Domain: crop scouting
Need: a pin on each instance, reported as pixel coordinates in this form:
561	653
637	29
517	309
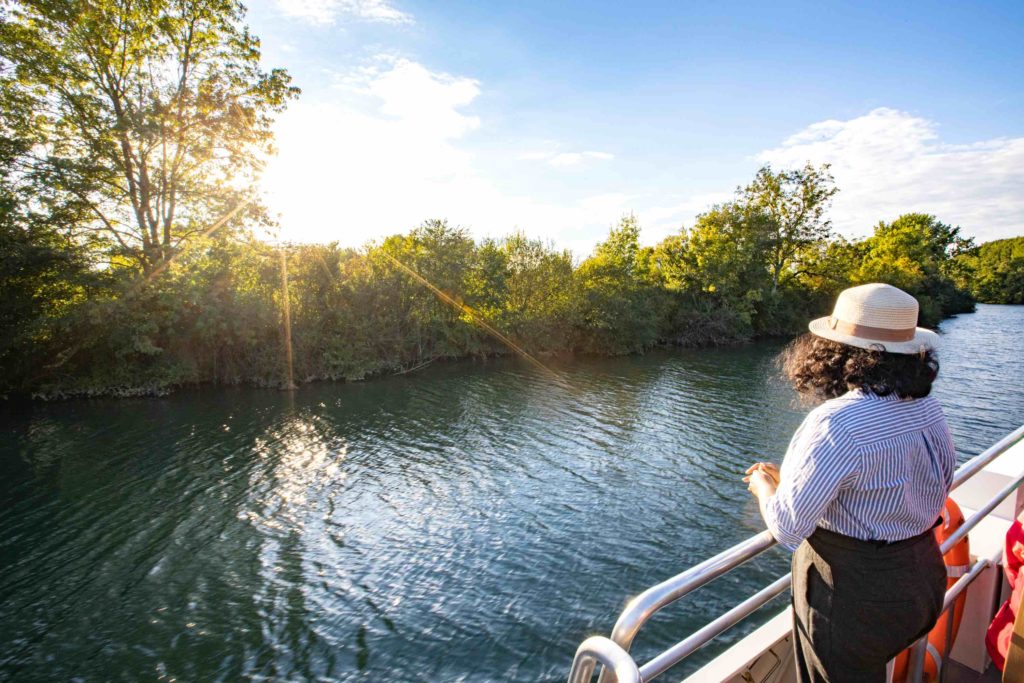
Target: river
470	522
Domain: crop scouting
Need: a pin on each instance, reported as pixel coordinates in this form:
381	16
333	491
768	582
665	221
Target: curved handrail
698	639
644	606
980	514
612	657
641	608
975	464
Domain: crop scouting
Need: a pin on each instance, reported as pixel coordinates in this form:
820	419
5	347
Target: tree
616	314
723	253
43	273
150	118
718	268
916	252
795	203
994	271
41	277
425	326
540	299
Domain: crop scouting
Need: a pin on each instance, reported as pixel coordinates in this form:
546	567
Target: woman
861	487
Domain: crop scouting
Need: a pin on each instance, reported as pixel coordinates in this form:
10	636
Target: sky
557	119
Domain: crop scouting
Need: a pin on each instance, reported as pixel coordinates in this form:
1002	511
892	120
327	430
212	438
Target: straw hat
873	316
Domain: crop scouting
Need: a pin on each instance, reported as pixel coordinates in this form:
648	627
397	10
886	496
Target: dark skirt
857	604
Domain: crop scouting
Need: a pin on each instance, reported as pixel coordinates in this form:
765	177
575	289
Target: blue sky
558	118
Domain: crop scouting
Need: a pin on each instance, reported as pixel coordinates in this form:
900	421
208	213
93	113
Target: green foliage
993	272
716	272
540	305
211	317
794	207
146	118
916	253
42	278
616	311
215	314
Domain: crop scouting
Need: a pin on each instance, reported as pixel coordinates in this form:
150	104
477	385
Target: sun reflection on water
301	478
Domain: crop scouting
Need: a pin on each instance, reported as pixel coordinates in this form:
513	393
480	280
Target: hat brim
923	339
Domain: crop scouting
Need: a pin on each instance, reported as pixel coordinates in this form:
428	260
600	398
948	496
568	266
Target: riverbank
549	359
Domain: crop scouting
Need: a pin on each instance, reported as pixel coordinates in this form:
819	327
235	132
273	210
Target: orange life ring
958	561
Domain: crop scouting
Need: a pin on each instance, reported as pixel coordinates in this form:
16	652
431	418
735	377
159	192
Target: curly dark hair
822	368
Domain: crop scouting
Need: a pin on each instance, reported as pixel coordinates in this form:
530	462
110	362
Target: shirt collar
867	394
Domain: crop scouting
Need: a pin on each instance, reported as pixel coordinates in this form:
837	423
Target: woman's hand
762	480
769	468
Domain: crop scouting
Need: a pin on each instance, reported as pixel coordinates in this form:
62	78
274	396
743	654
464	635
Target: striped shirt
871	467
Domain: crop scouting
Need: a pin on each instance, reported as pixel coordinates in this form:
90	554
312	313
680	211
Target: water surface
471	522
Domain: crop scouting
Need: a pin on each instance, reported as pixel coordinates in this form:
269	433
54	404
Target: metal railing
919	650
598	649
641	608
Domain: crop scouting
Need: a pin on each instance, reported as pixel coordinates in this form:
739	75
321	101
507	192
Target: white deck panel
744	655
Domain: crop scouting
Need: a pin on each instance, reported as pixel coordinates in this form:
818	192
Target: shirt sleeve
821	460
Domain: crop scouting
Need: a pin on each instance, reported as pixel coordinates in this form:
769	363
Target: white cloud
576	158
424	102
890	162
566	159
327	11
377	10
390	149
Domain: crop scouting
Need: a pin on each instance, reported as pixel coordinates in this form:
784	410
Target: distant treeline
214	314
996	271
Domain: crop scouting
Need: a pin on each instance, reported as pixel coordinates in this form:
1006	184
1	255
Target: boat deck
959	673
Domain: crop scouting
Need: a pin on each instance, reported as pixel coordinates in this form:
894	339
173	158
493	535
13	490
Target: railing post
917	654
617	663
950	618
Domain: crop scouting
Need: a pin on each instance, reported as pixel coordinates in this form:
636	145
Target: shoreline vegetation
215	315
130	137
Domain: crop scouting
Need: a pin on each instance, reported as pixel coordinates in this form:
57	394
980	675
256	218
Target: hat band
882	334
